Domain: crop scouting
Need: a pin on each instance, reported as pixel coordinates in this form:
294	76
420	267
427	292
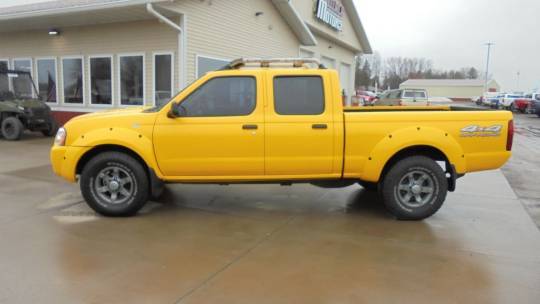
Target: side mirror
176	111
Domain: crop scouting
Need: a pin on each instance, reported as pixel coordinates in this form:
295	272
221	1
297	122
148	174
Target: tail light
510	136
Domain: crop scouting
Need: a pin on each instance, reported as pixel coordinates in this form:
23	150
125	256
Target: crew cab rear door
299	124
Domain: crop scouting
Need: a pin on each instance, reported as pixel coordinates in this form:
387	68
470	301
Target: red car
366	96
522	104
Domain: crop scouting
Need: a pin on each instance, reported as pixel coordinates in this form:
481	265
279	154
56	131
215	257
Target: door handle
250	127
319	126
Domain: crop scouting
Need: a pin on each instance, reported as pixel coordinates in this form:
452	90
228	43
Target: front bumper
64	160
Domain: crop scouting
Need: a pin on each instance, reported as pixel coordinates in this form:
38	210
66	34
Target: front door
220	133
299	125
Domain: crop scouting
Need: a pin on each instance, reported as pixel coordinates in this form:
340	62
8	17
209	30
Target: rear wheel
114	184
12	128
414	188
512	107
51	129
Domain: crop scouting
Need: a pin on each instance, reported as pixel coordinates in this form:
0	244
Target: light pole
518	74
489	44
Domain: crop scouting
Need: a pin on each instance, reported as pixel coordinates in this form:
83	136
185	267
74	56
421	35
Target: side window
298	95
409	94
222	96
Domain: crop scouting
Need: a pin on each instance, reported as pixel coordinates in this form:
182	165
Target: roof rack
265	63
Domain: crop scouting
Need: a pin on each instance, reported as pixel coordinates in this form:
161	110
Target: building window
21	86
72	75
222	96
163	78
131	80
100	80
208	64
4	79
298	95
46	70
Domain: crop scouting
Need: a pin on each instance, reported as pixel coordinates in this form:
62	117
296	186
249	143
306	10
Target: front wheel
12	128
114	184
414	188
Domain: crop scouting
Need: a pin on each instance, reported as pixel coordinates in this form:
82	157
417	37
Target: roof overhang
359	30
295	21
98	12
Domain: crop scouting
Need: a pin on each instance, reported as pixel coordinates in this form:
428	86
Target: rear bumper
64	161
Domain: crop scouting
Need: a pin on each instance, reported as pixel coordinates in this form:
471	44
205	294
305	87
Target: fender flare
403	139
129	139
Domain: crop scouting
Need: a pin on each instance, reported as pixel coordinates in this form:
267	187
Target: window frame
8	67
31	72
154	54
197	56
56	75
118	78
217	77
63	99
323	112
89	84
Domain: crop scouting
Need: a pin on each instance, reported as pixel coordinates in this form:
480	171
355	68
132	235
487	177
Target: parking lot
269	244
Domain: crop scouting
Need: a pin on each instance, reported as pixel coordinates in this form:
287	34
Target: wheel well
107	148
427	151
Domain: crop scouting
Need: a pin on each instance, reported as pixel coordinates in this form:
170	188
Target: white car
507	100
488	97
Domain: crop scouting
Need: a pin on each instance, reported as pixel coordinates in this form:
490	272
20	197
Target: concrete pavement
259	244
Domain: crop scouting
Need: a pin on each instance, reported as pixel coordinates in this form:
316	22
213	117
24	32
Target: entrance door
220	132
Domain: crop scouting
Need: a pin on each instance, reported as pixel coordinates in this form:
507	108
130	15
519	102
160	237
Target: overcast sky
452	33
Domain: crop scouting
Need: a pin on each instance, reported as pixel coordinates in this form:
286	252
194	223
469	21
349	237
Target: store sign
330	12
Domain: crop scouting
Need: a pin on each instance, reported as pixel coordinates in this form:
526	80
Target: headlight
60	138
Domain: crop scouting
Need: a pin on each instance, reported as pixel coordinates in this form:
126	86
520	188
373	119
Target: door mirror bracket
176	111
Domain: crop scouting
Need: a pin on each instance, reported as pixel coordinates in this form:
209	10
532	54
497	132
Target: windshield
15	85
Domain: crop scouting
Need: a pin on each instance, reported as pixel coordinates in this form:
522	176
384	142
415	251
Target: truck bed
471	139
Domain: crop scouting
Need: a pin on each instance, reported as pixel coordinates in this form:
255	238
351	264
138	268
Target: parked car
403	97
20	106
122	158
488	97
523	105
506	101
366	97
534	105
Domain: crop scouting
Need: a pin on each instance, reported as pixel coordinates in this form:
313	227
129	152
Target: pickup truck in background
274	124
403	97
507	101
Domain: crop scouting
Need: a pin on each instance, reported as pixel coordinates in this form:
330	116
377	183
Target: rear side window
298	95
414	94
222	96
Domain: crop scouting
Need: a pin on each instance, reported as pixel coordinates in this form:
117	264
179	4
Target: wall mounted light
257	14
54	32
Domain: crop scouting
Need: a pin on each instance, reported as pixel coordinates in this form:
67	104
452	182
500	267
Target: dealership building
91	55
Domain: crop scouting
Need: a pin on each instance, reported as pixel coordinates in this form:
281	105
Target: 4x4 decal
478	131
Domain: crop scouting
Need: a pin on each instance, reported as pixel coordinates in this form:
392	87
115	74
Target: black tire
94	179
403	175
12	128
51	130
512	107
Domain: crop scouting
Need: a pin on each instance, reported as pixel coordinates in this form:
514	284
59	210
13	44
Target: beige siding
306	8
140	37
229	29
340	55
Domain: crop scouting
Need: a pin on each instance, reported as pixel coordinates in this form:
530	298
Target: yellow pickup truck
260	121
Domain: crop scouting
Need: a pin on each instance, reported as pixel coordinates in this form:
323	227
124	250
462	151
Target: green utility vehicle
21	107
